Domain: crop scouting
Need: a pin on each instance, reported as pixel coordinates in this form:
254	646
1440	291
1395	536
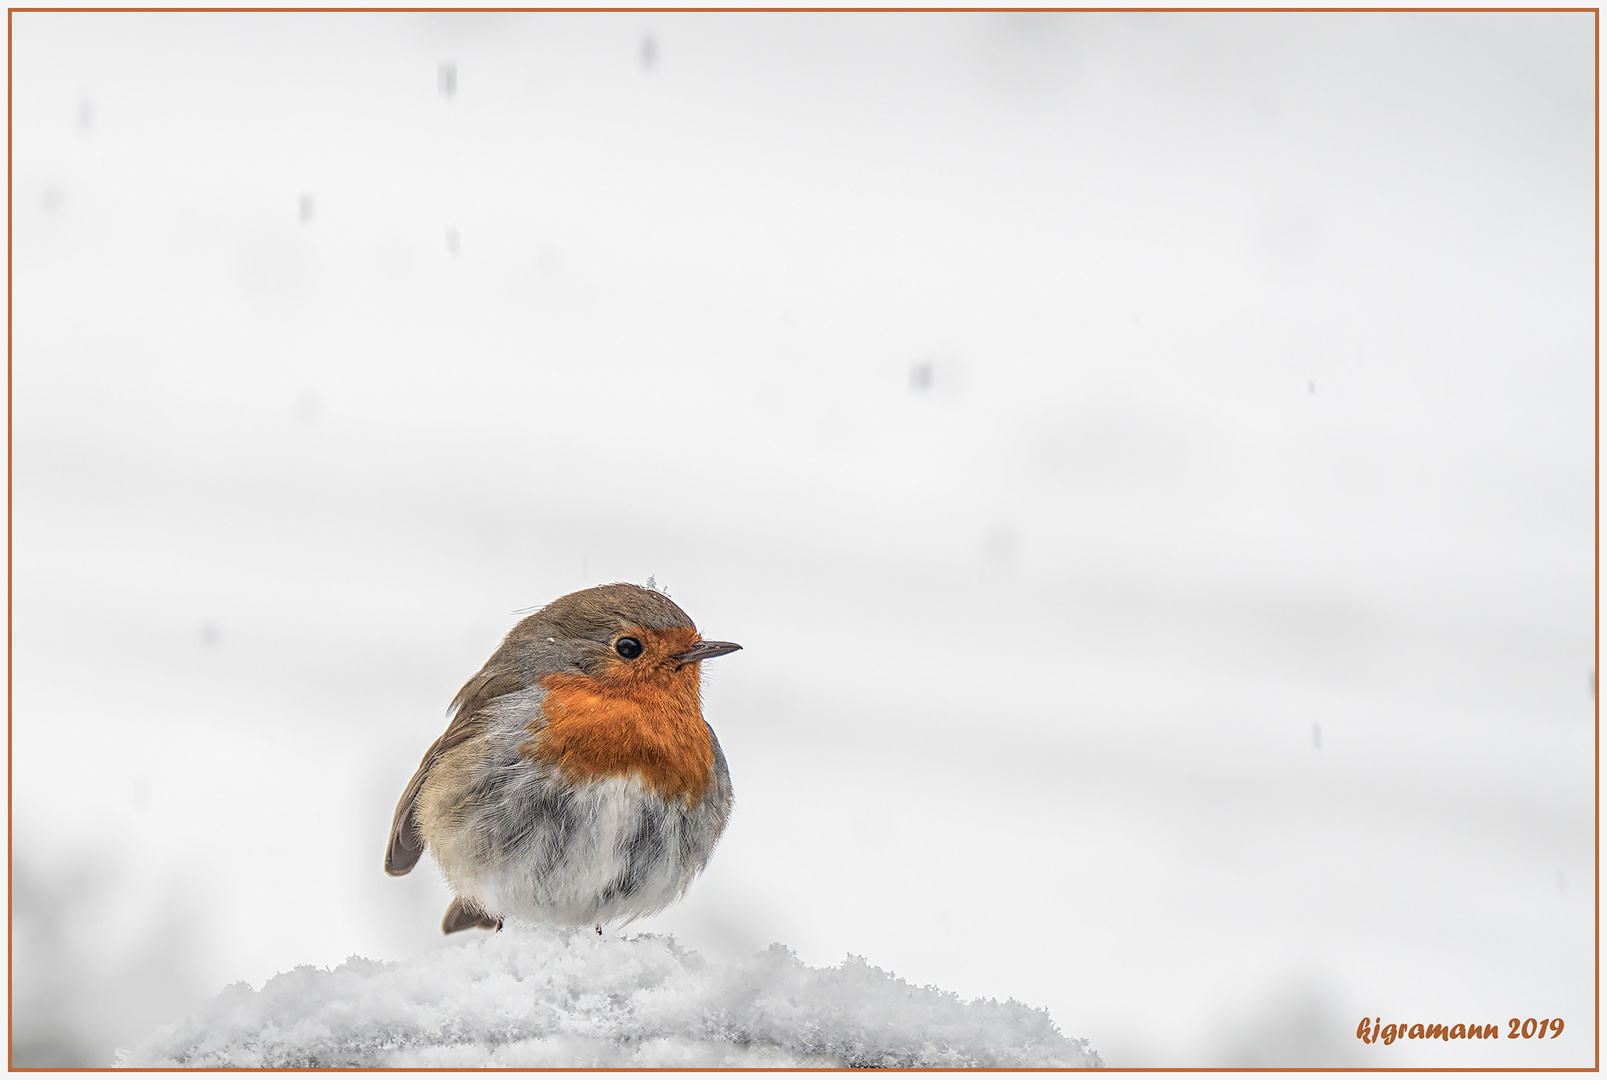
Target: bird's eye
628	647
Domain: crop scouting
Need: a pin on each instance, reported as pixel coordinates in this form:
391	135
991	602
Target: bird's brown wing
468	720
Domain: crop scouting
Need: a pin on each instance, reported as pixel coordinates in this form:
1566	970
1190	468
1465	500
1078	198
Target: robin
577	782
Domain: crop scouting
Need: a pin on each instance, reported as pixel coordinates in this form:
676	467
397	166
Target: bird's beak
707	650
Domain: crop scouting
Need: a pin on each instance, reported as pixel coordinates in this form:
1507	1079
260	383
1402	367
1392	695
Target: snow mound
549	997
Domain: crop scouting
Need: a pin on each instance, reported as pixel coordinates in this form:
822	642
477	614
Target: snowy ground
551	997
1146	458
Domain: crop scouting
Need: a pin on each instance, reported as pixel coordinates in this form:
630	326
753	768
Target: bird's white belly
594	852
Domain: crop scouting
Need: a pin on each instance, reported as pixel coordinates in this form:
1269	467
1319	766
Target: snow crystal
549	997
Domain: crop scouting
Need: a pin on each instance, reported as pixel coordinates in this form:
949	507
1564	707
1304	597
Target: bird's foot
463	915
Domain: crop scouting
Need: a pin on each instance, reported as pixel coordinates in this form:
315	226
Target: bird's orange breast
652	727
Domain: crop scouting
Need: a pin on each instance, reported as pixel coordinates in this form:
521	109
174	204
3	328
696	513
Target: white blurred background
1147	458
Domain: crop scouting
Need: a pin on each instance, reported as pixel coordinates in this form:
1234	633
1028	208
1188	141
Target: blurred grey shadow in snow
81	983
1296	1023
